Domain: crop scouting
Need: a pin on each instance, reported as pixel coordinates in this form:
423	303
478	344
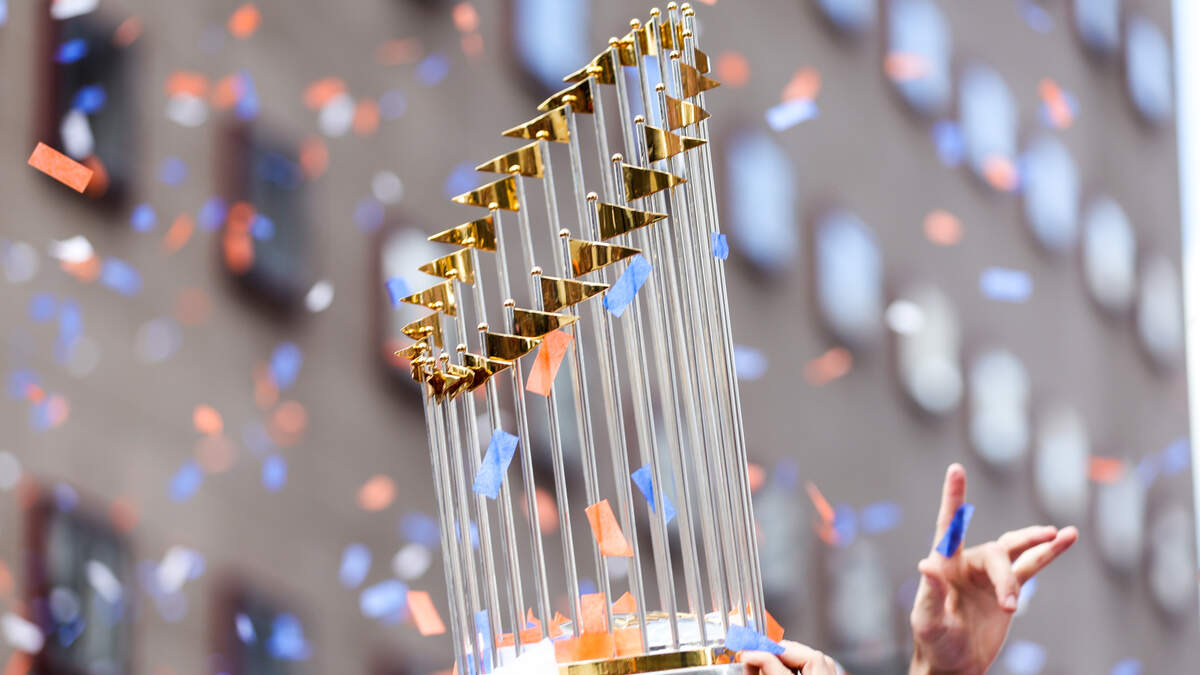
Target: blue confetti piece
262	228
421	528
3	12
790	113
630	282
173	171
947	138
89	99
739	638
720	245
483	633
392	104
212	214
19	382
386	598
143	218
185	482
643	478
247	104
749	363
1177	457
274	473
461	179
433	69
1025	658
70	321
1037	17
587	586
287	641
397	289
880	517
65	497
356	563
71	51
42	307
286	361
121	277
245	629
1005	285
787	474
953	538
492	470
845	525
1126	667
369	215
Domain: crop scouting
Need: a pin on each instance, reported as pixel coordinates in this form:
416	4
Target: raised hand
965	603
796	658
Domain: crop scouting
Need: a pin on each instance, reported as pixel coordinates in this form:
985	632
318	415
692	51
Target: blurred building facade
968	251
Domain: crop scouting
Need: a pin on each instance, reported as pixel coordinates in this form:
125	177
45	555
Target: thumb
930	603
767	664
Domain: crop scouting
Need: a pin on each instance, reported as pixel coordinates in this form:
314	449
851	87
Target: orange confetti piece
60	167
227	92
756	476
1106	469
6	580
314	157
943	228
591	613
549	358
472	44
804	85
98	187
606	530
215	454
626	604
628	642
238	248
556	624
207	420
377	493
123	514
565	650
18	664
86	271
531	635
320	92
1000	173
824	509
1056	103
366	117
288	423
128	32
902	67
398	52
187	83
466	19
179	233
596	646
828	367
244	21
733	69
774	630
424	614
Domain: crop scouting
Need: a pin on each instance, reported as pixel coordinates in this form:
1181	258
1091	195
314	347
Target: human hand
795	658
965	603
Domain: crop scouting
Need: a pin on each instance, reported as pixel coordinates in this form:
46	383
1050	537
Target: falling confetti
60	167
1005	285
377	494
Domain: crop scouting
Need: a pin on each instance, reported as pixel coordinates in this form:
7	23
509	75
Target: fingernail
1011	601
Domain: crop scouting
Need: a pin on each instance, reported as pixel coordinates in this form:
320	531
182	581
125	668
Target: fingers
930	603
954	493
1017	542
767	664
1033	560
999	569
806	659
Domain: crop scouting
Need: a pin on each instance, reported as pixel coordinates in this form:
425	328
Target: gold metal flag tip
509	347
412	351
439	297
617	220
527	159
429	327
534	324
502	193
562	293
457	265
693	82
663	144
483	367
682	113
641	182
554	123
588	256
578	96
480	234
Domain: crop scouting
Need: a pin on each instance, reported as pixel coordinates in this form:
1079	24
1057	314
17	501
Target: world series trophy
645	257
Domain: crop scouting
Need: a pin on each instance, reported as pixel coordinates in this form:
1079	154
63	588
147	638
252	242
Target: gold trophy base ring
688	662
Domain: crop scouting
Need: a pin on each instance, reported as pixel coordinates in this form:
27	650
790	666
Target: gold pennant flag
554	123
645	45
502	193
439	297
561	293
662	144
483	368
617	220
578	96
465	379
701	60
641	182
442	384
508	347
457	265
588	256
601	67
527	159
480	234
681	113
412	351
421	329
670	35
694	82
534	324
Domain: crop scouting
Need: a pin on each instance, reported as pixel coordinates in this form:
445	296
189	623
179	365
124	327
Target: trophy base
690	662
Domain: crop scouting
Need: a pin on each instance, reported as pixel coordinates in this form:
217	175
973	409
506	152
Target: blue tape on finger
644	479
495	463
720	246
622	293
740	639
953	538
